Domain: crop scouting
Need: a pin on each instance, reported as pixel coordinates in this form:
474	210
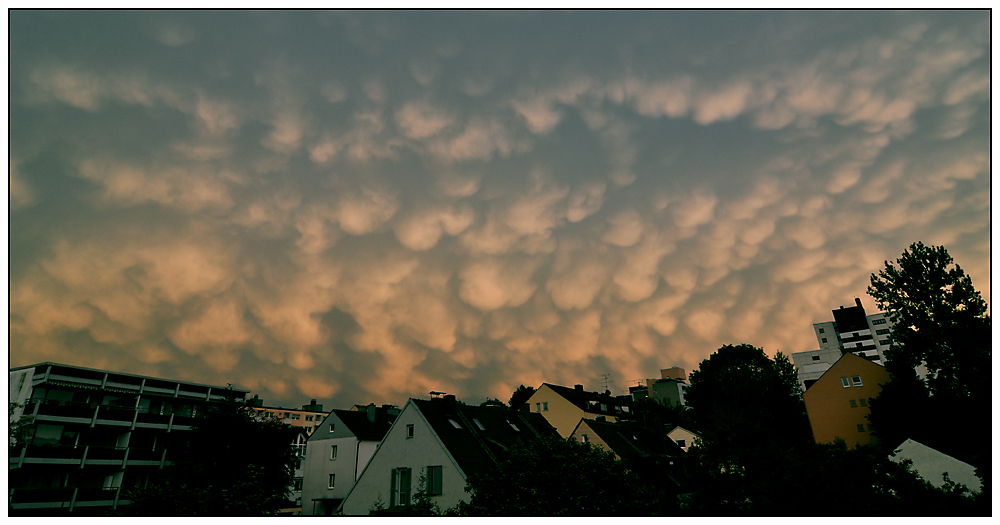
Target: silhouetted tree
940	321
520	396
492	402
232	464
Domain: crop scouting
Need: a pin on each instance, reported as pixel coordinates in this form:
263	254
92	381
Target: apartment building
852	330
308	417
94	434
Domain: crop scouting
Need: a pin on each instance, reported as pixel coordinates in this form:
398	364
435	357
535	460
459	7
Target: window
869	427
878	321
884	331
824	339
859	345
409	431
545	406
333	481
333	451
309	418
604	408
618	409
399	490
847	382
455	424
538	407
884	342
295	416
286	415
479	425
821	331
331	428
861	428
625	409
680	443
863	402
856	380
815	358
434	487
854	404
583	438
855	335
297	484
512	425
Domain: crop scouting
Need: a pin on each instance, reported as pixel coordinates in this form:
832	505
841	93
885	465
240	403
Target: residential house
683	437
564	407
932	465
442	443
94	434
626	439
837	403
337	453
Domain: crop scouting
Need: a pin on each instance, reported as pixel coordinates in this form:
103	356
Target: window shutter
392	488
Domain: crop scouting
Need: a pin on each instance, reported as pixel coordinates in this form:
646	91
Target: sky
367	206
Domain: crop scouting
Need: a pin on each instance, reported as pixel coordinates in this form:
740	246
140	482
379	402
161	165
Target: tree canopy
740	397
520	396
232	464
940	321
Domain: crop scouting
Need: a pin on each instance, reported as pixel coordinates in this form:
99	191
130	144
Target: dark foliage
941	321
554	477
520	396
232	464
748	406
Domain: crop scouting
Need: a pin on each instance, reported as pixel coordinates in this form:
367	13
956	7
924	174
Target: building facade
94	434
852	330
337	453
563	407
838	402
308	417
442	443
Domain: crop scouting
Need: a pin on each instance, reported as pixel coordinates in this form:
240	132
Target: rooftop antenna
607	380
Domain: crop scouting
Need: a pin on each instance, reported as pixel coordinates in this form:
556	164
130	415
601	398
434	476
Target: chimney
370	412
449	399
578	388
857	300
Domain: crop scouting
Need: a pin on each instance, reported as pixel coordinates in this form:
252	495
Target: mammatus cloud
467	212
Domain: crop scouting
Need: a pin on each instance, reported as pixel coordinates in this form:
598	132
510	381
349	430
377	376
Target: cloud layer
363	207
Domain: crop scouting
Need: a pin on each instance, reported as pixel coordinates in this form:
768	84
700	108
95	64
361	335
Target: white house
931	465
683	437
338	451
444	442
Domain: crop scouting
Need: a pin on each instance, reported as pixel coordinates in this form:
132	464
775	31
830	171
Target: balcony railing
41	495
53	452
95	495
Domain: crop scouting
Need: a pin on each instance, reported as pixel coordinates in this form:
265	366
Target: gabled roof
477	437
840	363
358	424
671	428
582	398
629	440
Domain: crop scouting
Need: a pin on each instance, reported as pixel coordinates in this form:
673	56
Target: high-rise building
94	434
852	330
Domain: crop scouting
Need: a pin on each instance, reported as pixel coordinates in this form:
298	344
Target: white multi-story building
852	330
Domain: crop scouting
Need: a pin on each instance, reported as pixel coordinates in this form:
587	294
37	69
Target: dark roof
359	425
126	374
629	440
483	434
582	399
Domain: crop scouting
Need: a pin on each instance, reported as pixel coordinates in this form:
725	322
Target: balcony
80	411
105	455
22	496
105	496
56	454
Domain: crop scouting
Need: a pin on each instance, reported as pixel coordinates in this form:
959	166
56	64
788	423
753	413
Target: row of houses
96	433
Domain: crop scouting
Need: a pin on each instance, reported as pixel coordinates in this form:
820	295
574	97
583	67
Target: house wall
682	433
318	466
828	401
932	464
561	414
592	436
416	453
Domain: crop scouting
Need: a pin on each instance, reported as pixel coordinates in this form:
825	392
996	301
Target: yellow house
563	407
837	403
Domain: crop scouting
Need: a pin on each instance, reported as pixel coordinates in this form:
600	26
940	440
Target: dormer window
479	425
455	424
512	425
